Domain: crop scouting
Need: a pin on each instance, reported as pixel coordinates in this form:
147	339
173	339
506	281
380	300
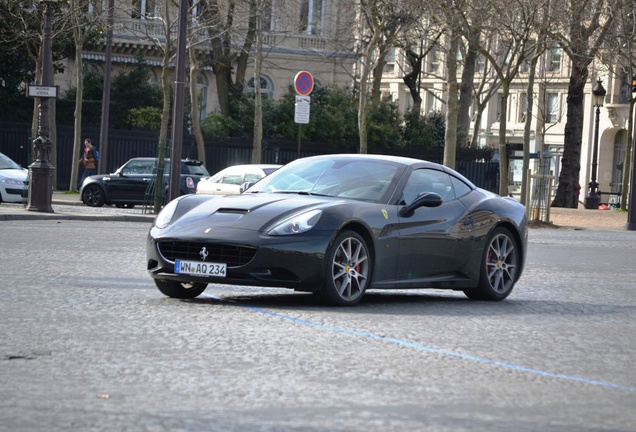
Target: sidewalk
68	206
581	218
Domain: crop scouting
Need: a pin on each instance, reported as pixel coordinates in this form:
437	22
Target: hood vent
228	210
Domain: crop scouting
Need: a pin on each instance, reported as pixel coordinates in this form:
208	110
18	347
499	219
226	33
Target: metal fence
16	142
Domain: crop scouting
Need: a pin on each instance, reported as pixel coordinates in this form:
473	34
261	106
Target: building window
523	107
389	67
552	107
554	58
142	9
267	16
311	17
435	62
267	88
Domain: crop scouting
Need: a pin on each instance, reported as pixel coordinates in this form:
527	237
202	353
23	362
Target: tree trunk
221	63
194	99
165	117
450	134
378	70
503	153
466	95
258	97
77	124
527	126
567	191
411	80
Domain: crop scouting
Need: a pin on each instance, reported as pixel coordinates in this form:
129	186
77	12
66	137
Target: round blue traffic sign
303	83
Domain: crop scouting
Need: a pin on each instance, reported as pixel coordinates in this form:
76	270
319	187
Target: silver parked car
14	181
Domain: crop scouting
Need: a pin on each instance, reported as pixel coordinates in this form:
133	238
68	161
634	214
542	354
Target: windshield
6	163
363	179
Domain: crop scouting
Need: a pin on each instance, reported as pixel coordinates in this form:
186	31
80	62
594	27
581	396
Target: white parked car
229	180
14	181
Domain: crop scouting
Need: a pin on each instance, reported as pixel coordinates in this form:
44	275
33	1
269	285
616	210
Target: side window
138	167
460	187
148	167
428	180
252	177
233	179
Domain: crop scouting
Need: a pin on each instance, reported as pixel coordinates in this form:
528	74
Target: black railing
16	142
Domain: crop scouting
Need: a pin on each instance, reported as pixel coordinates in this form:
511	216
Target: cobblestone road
87	343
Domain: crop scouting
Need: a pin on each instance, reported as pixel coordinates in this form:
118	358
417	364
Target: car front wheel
349	269
93	196
180	290
499	270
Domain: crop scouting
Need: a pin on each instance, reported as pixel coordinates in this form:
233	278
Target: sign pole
299	135
303	84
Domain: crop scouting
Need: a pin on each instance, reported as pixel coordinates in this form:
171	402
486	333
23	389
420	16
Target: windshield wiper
303	193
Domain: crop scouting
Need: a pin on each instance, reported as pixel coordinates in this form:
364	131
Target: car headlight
11	181
165	216
298	223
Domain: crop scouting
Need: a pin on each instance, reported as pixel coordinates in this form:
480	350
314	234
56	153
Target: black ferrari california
339	225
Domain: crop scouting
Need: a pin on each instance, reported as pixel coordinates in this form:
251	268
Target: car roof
187	161
397	159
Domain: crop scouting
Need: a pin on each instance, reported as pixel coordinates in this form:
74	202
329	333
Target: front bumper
295	262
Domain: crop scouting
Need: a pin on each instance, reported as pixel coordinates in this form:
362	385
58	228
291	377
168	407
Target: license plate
197	268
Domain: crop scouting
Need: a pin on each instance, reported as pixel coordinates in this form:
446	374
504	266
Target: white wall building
548	120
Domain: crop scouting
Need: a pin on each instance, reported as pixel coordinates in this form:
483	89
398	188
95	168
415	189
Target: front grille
231	255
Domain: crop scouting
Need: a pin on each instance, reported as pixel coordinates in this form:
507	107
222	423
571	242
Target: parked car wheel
348	270
93	196
500	266
180	290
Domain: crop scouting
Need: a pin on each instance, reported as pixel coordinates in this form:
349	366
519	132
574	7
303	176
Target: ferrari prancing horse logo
385	214
203	253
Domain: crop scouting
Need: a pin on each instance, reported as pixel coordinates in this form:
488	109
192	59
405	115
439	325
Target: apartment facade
311	35
549	114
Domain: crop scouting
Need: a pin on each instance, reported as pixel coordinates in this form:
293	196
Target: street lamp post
593	197
41	171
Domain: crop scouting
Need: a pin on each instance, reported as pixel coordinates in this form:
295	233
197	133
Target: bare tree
381	23
224	23
84	23
582	30
512	28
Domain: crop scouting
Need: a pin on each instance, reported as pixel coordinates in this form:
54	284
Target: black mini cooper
132	184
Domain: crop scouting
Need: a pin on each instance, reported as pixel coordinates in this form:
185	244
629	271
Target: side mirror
425	199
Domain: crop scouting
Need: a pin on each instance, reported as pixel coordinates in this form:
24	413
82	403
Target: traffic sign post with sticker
303	84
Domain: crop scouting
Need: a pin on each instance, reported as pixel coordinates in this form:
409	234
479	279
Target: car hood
15	174
246	212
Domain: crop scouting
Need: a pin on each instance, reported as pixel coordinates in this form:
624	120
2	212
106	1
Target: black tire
93	196
180	290
349	266
499	271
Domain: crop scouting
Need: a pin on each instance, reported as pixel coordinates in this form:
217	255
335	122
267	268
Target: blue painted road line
428	349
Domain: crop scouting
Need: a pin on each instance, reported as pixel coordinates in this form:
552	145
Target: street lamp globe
599	93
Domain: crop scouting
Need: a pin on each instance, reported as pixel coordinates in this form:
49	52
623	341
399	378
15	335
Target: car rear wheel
93	196
349	269
180	290
499	267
